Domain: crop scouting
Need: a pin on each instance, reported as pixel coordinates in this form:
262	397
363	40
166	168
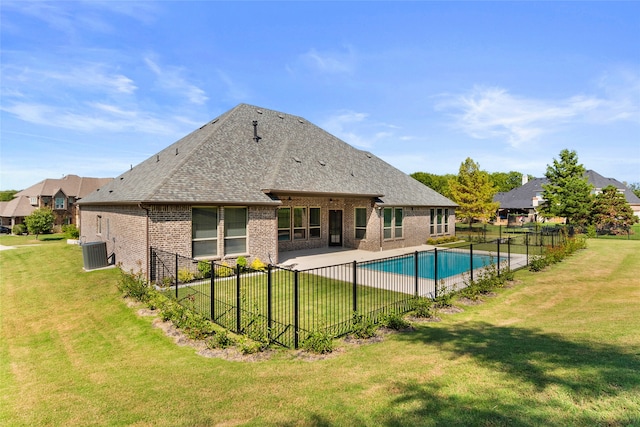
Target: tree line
567	194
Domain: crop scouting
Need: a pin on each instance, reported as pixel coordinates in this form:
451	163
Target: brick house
522	204
61	195
256	182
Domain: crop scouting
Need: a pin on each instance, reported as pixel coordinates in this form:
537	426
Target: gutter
146	246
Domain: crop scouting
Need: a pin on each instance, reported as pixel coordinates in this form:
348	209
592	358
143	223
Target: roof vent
281	116
259	111
256	138
157	157
297	160
322	162
301	121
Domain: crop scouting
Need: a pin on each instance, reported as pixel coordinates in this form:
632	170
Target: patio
325	257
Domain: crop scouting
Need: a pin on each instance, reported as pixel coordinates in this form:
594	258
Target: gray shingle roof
222	163
521	197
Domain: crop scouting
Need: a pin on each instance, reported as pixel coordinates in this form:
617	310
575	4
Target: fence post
269	295
152	264
176	280
471	261
355	286
296	309
415	263
238	301
509	253
435	272
526	243
498	263
213	290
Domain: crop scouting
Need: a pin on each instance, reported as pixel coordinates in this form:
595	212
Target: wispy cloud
494	113
357	129
329	62
73	18
170	78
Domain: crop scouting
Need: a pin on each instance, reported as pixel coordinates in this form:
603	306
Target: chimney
525	178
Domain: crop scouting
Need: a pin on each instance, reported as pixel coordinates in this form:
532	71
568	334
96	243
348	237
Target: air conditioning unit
94	255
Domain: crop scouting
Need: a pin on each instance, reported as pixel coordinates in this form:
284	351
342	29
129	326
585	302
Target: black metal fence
284	306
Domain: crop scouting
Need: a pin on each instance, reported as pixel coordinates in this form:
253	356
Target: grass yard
561	347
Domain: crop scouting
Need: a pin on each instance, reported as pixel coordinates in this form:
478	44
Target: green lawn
561	347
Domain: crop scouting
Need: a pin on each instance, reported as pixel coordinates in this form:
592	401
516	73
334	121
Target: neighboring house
14	211
256	182
523	204
61	195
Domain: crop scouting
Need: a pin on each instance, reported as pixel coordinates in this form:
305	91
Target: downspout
146	246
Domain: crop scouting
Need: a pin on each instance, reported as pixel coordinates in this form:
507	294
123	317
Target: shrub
422	307
538	263
444	299
184	275
362	327
224	270
71	231
249	346
241	262
19	229
256	264
134	285
204	267
319	342
220	339
395	321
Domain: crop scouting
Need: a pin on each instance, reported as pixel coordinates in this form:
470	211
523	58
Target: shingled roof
522	197
250	155
71	185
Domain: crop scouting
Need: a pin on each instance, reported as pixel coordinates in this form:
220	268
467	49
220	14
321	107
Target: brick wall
123	228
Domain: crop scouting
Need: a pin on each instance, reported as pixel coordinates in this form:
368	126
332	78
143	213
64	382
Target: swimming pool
449	264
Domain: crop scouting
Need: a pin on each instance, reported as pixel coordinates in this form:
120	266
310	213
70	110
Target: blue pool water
449	264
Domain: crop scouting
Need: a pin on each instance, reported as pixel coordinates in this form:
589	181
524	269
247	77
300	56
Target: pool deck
325	257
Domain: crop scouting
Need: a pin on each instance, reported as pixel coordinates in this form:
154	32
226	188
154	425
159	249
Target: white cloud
494	113
170	78
331	63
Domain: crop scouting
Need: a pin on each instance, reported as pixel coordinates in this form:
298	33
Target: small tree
40	221
568	192
612	212
473	191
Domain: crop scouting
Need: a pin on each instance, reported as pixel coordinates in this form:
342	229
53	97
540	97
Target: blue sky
91	88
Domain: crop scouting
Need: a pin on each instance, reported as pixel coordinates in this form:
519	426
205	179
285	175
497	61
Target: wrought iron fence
284	306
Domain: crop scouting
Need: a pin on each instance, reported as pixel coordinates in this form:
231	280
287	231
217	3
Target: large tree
439	183
567	193
40	221
611	212
473	191
507	181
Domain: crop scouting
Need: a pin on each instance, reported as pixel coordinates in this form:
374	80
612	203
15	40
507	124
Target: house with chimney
255	182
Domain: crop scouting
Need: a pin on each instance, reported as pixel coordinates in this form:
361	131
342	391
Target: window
99	224
235	230
314	223
446	220
284	224
398	223
33	201
59	203
204	232
432	217
299	223
361	223
392	223
439	221
303	224
387	222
